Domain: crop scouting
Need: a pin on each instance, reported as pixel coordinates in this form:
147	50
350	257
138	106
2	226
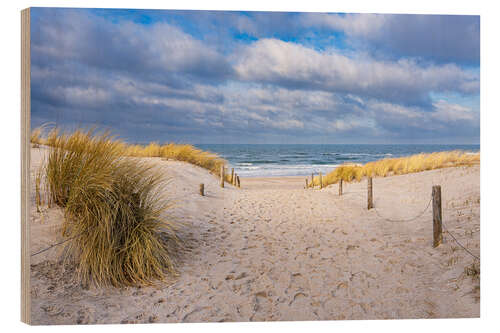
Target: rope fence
54	245
438	225
405	220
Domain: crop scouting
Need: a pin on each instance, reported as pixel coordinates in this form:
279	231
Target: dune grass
36	137
398	166
114	210
178	152
473	270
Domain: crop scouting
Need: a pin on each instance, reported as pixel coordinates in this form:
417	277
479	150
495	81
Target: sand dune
275	251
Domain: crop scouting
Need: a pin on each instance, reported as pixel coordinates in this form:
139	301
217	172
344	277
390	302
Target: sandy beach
273	250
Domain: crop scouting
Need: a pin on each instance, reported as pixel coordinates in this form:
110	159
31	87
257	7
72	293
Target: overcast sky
255	77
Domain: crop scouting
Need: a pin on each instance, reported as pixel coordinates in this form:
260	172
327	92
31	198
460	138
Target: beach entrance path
273	250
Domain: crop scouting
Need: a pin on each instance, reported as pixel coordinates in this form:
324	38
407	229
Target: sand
275	251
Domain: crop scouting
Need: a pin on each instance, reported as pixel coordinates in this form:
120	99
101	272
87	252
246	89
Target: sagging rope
54	245
407	220
456	241
445	229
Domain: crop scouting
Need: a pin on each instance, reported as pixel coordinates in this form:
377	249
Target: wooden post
370	193
37	193
437	215
232	176
320	181
340	187
222	176
312	179
307	183
238	180
202	189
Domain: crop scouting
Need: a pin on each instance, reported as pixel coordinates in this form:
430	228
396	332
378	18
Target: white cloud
448	112
83	96
366	25
442	38
293	65
157	50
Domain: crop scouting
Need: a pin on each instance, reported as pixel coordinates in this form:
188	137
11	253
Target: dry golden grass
114	210
36	136
193	155
178	152
399	166
473	270
38	190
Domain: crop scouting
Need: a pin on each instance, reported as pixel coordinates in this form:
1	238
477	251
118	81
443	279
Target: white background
490	231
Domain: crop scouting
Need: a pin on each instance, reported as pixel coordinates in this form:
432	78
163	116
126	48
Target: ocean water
278	160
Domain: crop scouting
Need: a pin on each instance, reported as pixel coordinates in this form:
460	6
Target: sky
257	77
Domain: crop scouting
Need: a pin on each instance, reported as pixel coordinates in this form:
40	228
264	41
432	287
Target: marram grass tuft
114	210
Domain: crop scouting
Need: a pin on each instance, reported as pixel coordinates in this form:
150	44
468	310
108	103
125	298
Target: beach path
273	250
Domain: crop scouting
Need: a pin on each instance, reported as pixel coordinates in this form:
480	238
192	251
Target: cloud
365	25
441	38
166	80
160	52
295	66
448	112
443	120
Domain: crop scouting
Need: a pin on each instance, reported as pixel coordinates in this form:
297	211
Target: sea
278	160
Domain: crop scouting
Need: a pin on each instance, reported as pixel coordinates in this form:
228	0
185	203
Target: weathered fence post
340	187
37	194
222	176
307	184
238	180
312	179
202	189
320	181
370	193
235	180
437	215
232	176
